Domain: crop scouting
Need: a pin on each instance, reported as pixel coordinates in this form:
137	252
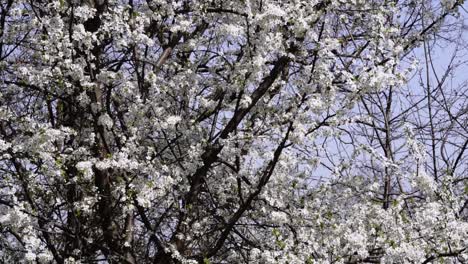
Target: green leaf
280	244
294	184
276	232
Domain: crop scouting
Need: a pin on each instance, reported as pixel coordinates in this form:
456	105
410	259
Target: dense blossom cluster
191	131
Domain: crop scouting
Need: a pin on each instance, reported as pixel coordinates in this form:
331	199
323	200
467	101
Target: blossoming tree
192	131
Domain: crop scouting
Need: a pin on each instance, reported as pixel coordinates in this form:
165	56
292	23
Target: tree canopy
233	131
